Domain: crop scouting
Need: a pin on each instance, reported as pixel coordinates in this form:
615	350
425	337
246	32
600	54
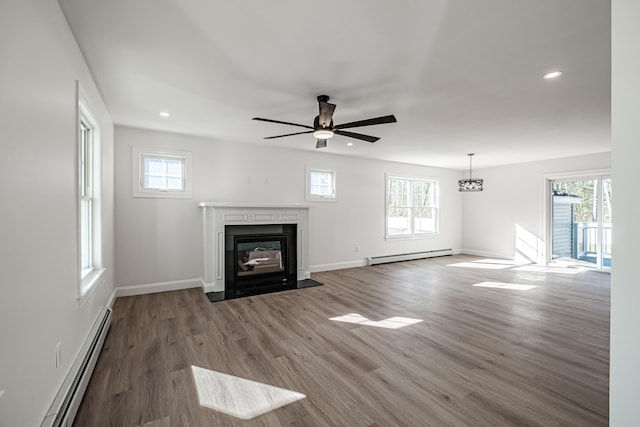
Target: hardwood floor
481	356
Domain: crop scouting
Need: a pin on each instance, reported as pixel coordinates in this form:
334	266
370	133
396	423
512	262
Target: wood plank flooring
481	356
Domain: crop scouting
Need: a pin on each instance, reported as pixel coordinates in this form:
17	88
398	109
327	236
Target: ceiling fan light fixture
323	133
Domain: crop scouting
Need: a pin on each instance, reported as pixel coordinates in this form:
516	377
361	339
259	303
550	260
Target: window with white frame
90	225
161	173
321	184
412	207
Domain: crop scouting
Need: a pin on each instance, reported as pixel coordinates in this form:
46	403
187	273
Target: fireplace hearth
259	259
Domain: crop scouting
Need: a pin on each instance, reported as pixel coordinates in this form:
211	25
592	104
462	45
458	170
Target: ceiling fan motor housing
317	125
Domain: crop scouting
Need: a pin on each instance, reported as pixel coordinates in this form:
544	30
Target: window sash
411	207
322	184
163	173
86	235
86	160
86	198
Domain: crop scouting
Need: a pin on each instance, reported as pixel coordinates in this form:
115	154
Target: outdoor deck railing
587	238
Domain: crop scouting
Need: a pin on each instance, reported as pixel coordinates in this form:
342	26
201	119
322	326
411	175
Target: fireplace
219	218
259	259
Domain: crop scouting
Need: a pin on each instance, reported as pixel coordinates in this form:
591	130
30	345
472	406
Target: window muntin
321	184
161	173
412	207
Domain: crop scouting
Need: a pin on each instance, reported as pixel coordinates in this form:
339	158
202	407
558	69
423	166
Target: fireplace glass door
259	257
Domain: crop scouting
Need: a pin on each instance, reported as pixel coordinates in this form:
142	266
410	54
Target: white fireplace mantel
217	215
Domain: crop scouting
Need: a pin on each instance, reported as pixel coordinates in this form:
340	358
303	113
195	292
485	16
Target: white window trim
138	170
413	236
88	279
315	198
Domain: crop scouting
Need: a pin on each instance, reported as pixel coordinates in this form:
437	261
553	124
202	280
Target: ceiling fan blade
289	134
356	135
326	113
375	121
322	143
282	123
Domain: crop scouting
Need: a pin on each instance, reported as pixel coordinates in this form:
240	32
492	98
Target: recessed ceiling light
349	144
553	75
164	114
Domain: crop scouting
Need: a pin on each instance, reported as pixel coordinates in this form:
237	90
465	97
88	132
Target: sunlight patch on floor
239	397
551	269
390	323
502	285
487	264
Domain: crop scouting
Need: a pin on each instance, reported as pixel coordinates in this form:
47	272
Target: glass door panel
581	220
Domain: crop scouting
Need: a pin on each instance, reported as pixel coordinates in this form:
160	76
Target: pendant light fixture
470	184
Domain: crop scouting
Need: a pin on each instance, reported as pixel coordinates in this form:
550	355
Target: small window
321	184
161	173
412	207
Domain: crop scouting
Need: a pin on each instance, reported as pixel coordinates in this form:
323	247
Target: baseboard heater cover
65	406
408	256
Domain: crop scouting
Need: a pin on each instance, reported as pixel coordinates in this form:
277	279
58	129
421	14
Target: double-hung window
90	227
412	207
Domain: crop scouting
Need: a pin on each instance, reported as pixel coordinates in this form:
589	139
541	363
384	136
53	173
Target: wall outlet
58	354
357	248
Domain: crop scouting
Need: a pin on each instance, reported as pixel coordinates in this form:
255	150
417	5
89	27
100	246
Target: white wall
625	286
160	240
39	263
511	204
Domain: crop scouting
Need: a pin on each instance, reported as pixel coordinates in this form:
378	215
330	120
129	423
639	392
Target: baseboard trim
337	266
112	299
150	288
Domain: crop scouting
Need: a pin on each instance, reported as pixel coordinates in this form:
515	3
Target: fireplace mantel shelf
254	205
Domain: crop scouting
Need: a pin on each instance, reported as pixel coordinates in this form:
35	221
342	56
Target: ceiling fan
324	129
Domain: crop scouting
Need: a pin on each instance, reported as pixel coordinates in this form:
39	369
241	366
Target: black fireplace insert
259	259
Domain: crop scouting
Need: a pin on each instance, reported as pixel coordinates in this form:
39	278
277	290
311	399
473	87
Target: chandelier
470	184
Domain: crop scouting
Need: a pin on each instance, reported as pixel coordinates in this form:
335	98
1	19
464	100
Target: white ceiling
461	76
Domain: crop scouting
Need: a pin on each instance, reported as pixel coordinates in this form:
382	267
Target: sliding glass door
581	220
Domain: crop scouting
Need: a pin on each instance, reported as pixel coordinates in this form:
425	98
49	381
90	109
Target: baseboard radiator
408	256
65	405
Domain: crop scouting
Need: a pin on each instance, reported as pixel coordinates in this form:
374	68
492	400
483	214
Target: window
90	225
412	207
321	185
161	173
